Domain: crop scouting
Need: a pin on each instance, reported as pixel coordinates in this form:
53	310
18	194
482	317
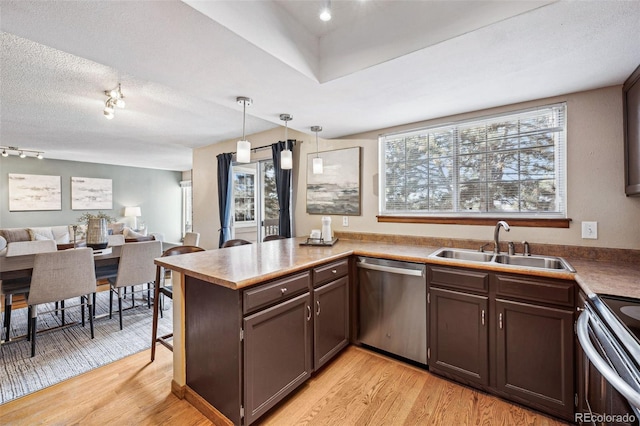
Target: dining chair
8	289
191	239
17	286
235	242
57	276
164	290
134	267
274	237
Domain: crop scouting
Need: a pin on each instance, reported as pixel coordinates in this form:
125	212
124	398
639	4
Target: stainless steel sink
460	254
543	262
537	262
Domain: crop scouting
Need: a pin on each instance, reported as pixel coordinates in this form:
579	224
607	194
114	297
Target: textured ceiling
376	64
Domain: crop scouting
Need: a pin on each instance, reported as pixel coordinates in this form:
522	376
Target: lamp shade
286	160
132	211
317	166
243	152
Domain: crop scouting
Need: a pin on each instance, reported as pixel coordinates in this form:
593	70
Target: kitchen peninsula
225	296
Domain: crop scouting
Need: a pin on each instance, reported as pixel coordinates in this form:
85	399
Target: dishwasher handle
600	364
392	269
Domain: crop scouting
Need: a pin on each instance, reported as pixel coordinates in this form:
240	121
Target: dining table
13	267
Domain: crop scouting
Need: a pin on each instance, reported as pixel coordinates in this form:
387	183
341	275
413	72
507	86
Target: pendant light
243	148
317	162
286	156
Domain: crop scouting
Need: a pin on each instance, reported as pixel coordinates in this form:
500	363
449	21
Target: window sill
487	221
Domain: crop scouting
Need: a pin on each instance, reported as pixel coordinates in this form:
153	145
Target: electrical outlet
345	220
590	230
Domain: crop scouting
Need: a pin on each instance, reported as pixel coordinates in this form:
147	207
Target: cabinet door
458	339
535	354
331	324
631	90
277	354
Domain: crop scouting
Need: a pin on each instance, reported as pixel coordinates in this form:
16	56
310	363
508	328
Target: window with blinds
512	164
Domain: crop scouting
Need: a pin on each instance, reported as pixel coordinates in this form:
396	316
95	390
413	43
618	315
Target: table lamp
133	212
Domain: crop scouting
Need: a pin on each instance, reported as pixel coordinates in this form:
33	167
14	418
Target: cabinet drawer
277	291
330	272
459	278
557	292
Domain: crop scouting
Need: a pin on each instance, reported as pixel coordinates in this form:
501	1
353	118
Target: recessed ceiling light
325	13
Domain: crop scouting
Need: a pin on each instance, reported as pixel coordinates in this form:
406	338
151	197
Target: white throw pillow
43	233
130	233
3	242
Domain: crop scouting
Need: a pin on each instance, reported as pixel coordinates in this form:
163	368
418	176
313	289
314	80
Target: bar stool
236	242
165	291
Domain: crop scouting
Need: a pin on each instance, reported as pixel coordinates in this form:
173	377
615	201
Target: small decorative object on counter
326	228
321	238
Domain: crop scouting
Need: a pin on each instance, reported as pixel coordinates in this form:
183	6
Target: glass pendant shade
318	168
243	152
286	160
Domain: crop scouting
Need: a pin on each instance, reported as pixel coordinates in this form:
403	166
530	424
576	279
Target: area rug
68	352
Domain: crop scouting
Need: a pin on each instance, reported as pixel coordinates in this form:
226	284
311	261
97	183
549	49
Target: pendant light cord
244	117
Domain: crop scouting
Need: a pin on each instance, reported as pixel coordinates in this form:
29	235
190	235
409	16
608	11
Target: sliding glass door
255	211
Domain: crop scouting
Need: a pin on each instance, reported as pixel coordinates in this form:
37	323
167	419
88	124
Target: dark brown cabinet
277	354
505	333
631	91
331	322
248	349
534	354
459	337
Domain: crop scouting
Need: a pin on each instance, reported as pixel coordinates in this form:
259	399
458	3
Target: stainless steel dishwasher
393	307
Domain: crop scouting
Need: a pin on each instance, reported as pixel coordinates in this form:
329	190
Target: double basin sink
537	262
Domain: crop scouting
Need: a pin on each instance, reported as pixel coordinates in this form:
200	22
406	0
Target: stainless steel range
609	333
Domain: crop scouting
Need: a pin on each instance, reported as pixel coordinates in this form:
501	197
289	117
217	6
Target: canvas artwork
337	189
34	192
91	194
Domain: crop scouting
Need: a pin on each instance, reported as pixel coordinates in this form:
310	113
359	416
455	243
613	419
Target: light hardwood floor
358	388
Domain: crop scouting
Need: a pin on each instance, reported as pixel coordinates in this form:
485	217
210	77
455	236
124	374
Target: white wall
595	181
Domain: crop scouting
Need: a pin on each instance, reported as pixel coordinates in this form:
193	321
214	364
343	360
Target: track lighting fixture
22	153
116	99
286	156
318	168
243	147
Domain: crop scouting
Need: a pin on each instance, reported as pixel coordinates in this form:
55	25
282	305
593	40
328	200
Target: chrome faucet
496	232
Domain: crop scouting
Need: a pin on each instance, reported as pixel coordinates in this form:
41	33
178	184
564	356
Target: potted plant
97	232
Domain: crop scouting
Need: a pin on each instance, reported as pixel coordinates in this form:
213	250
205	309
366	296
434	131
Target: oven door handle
600	364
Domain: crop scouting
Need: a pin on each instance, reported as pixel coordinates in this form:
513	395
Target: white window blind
512	164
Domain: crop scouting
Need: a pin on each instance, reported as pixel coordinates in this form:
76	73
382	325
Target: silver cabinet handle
283	290
601	365
308	313
334	271
500	320
483	317
317	307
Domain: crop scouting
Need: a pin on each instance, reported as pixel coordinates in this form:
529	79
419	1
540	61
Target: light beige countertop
244	266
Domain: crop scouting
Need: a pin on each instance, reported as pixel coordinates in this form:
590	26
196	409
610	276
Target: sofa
20	241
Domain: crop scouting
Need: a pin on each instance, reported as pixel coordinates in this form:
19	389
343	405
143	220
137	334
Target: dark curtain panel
283	187
224	196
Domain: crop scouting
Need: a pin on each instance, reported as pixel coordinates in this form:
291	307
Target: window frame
526	218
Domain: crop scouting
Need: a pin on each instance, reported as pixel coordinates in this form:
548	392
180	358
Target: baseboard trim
178	390
204	407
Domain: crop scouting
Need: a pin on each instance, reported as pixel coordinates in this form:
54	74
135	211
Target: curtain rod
293	141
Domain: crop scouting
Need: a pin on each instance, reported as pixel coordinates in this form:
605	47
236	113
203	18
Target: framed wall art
91	194
337	190
34	192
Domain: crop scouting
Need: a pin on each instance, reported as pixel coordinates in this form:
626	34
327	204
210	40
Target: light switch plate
345	220
590	230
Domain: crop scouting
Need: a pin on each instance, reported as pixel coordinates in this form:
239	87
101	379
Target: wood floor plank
358	388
